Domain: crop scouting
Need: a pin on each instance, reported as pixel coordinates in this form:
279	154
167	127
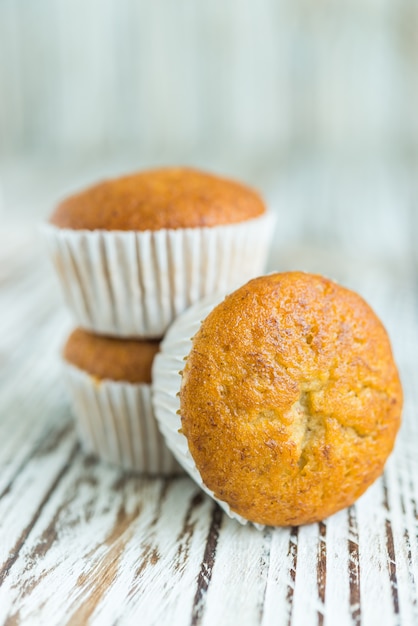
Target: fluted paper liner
115	422
134	284
166	377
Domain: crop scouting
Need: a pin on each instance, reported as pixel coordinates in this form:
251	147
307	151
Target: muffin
134	252
109	383
288	402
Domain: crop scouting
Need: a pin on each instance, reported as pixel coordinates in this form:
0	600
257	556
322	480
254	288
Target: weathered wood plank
307	605
104	544
239	576
29	409
401	524
79	543
206	568
281	576
22	503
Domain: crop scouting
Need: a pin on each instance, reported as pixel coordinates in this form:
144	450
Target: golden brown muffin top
161	198
108	358
290	399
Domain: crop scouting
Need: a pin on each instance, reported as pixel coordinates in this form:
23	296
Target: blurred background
315	102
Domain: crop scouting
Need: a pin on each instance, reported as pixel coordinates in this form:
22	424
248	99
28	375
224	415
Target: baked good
162	198
134	252
290	399
109	358
109	384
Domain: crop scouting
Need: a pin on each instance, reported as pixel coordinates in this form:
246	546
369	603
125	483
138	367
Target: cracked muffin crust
290	399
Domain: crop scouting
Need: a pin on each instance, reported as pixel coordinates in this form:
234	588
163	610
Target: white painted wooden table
80	543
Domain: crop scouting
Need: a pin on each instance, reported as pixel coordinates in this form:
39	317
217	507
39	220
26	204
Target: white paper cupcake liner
166	377
115	422
134	284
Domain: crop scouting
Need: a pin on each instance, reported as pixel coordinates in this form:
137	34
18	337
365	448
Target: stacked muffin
131	255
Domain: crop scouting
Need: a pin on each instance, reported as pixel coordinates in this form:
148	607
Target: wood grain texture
85	77
81	543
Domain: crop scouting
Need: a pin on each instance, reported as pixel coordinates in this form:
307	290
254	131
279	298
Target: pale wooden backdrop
82	544
315	102
263	90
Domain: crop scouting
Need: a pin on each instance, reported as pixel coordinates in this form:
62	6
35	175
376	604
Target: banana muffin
108	358
134	252
162	198
289	399
109	384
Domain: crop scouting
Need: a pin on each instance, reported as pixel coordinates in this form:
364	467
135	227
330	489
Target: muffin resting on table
289	400
109	383
134	252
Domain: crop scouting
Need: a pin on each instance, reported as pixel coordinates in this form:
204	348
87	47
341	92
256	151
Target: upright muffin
289	400
109	383
134	252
